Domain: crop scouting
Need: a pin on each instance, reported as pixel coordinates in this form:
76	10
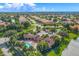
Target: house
4	23
63	33
76	21
4	40
47	21
12	16
67	20
75	27
49	40
37	38
29	35
22	19
43	21
41	33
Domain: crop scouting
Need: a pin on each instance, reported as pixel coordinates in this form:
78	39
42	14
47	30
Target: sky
39	7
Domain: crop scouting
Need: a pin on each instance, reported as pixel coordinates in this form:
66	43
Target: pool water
27	45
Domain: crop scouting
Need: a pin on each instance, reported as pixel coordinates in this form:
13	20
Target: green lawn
30	28
51	53
1	34
72	35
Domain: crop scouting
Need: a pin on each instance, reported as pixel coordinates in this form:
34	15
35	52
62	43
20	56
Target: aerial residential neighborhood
38	34
39	29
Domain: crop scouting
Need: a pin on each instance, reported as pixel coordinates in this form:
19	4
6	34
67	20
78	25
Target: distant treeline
54	13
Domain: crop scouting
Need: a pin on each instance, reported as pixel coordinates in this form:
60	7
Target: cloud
38	1
6	7
18	1
25	7
18	5
43	9
31	4
1	7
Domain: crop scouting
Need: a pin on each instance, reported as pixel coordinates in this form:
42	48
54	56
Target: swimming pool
27	45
